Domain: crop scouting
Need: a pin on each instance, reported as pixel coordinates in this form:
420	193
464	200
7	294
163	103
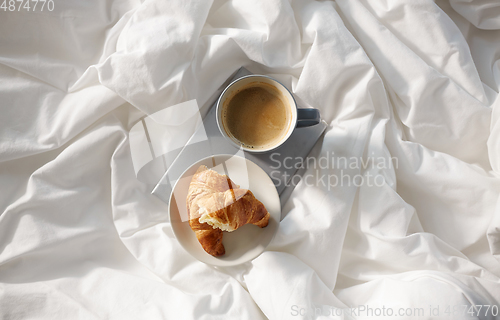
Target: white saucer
245	243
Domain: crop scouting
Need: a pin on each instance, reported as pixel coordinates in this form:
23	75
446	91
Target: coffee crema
257	116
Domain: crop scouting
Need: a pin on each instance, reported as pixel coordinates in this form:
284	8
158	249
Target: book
282	164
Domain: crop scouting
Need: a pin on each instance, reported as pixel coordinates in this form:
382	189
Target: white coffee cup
298	117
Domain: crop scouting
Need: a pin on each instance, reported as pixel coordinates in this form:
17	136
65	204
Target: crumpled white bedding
412	80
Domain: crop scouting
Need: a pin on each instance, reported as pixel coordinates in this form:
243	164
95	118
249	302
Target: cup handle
307	117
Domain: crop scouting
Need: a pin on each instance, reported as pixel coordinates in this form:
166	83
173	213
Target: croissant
215	203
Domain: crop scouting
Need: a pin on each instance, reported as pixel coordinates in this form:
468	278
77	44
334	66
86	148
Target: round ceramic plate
248	241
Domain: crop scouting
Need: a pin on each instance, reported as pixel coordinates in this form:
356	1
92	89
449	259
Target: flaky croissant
215	203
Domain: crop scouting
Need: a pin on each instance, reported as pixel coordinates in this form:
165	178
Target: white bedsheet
411	81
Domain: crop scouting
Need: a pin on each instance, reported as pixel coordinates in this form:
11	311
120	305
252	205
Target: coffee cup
258	114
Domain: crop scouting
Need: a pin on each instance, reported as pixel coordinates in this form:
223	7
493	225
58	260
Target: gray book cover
208	141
